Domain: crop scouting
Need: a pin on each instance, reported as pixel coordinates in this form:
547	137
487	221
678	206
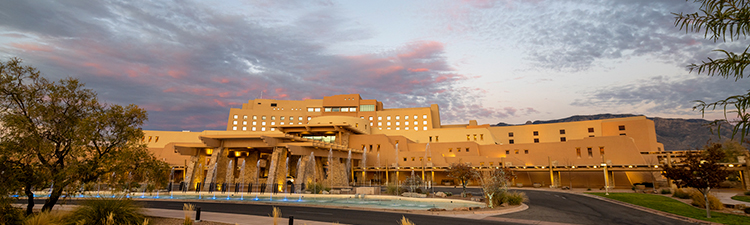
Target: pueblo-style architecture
343	140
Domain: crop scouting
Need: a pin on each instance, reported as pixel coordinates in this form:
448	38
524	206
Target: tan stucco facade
271	132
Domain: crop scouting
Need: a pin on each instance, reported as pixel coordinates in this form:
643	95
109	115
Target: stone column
217	154
251	169
302	171
275	174
189	171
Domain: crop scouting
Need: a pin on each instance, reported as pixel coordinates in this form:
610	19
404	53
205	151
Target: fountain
213	179
348	167
364	165
314	172
396	163
257	172
50	189
427	156
242	180
171	180
230	175
330	168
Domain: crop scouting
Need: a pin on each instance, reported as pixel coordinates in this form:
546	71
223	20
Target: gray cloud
663	95
186	62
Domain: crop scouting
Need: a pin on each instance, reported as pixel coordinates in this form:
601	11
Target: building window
234	122
263	123
255	117
406	123
481	163
424	122
578	152
591	130
415	117
309	109
281	118
516	150
253	128
510	134
436	139
467	149
345	109
309	118
398	123
244	117
430	138
398	128
366	108
263	129
235	116
388	118
467	137
327	109
273	104
412	159
255	123
507	152
244	122
458	149
291	118
562	131
371	118
300	118
481	137
621	127
562	139
450	149
536	140
244	128
388	123
511	141
380	123
397	117
424	116
425	128
525	151
601	151
273	123
591	135
263	117
536	133
273	117
282	123
380	118
623	134
234	128
404	159
591	152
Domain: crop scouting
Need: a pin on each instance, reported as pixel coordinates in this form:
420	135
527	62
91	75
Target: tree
494	183
463	172
725	21
699	170
59	134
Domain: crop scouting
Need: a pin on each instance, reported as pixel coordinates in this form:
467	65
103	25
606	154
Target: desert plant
683	193
276	215
393	189
516	198
448	193
46	218
188	209
665	191
317	187
699	201
103	210
499	198
405	221
10	214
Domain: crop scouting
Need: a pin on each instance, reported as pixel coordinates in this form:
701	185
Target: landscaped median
669	205
741	198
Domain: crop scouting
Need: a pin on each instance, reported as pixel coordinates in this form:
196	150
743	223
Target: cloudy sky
188	62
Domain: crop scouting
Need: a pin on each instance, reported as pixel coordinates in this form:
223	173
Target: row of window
525	151
590	152
291	118
406	117
150	138
457	149
254	128
405	128
481	137
420	159
263	123
406	123
339	109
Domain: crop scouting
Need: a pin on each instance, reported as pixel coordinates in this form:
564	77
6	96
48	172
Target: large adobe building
312	140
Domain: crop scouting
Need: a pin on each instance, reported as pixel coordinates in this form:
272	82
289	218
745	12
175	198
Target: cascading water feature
396	164
314	172
242	179
130	178
378	162
171	182
257	171
230	176
330	167
348	167
427	159
364	165
286	169
50	189
213	179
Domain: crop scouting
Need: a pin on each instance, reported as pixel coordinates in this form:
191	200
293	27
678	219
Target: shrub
699	201
393	189
46	218
448	193
516	198
188	209
316	188
108	211
665	191
682	193
497	199
10	214
405	221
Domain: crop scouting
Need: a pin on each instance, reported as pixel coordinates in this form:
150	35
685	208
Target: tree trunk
52	200
708	205
30	197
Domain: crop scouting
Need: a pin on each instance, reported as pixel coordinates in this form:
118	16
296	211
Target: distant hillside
675	134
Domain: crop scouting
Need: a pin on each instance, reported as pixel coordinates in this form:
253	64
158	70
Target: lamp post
606	179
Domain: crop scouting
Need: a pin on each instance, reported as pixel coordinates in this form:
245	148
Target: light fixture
237	154
209	151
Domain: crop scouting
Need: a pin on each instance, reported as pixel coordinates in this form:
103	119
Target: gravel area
173	221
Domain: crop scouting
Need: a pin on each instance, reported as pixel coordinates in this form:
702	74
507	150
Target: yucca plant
46	218
276	215
405	221
188	208
108	211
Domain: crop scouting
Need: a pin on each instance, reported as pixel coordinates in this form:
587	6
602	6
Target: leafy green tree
732	149
699	170
59	134
463	173
726	21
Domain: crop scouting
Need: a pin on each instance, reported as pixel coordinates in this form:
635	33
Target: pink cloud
419	70
32	47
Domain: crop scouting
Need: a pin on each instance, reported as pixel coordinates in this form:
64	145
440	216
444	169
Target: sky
187	62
